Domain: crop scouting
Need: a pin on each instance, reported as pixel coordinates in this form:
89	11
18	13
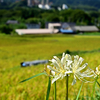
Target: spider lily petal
52	69
60	68
77	70
97	70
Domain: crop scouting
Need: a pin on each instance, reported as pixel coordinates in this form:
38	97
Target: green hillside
84	4
94	3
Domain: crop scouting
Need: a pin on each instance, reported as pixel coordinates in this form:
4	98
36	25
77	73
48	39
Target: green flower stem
79	91
98	83
33	77
94	86
67	87
48	89
55	90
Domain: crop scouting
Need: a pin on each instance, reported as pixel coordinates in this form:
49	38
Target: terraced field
16	49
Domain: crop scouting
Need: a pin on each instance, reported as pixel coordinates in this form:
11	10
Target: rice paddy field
16	49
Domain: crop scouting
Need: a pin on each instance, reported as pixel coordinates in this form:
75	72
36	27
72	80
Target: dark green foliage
80	16
53	18
4	5
48	89
33	20
66	14
18	26
6	29
97	94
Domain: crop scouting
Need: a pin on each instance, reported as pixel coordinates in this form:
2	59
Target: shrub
6	29
18	26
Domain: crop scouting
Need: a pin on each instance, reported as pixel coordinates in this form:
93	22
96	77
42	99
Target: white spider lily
97	70
60	68
77	68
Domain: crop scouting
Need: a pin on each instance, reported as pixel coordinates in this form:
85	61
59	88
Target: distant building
64	25
47	7
35	31
67	27
64	6
31	3
59	8
43	5
1	1
86	29
33	26
49	24
54	26
72	28
12	22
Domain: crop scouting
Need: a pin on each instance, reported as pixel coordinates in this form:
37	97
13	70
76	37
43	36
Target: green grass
90	33
16	49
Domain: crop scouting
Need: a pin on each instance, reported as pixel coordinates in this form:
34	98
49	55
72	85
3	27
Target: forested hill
92	3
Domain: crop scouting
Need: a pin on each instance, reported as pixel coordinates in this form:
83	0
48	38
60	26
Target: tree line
35	15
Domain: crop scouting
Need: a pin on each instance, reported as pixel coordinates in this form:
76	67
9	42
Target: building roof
36	31
12	22
33	26
66	31
68	25
60	24
86	28
55	24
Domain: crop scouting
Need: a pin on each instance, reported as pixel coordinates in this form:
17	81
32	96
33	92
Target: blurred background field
16	49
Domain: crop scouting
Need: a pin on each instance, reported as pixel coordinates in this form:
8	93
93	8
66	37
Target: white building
30	3
33	26
35	31
64	6
54	26
44	6
47	7
59	8
41	6
86	28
